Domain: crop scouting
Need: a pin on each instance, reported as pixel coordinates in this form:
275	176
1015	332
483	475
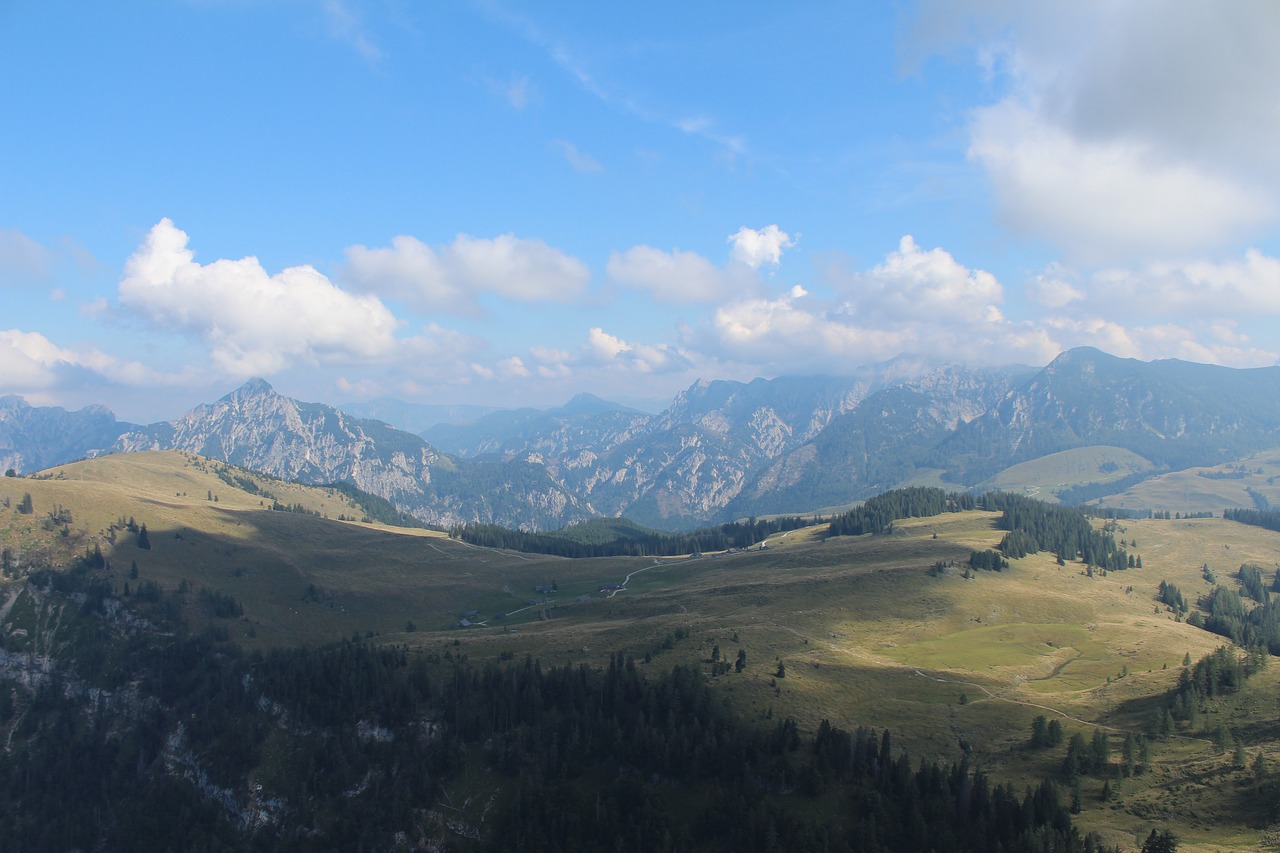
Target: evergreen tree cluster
239	481
988	560
1045	733
1253	584
1250	627
1268	519
1087	757
1082	494
616	538
1172	596
1036	526
295	508
1219	673
879	512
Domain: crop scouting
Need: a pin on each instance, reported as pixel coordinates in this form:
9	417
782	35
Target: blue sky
507	204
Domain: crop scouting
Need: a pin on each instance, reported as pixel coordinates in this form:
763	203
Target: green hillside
1045	477
1252	482
874	630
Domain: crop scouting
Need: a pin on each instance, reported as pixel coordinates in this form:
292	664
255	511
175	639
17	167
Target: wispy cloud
346	27
702	127
577	159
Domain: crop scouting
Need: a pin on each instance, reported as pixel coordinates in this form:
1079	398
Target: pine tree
1163	841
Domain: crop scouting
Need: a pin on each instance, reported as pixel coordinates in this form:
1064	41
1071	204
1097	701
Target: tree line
877	514
1269	519
629	541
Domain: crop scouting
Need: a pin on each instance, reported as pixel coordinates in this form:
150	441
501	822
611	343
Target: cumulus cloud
450	278
254	323
1248	288
757	248
36	367
604	349
916	300
1119	132
29	361
687	277
916	285
674	276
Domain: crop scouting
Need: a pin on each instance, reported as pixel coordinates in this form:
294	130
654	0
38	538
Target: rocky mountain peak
251	389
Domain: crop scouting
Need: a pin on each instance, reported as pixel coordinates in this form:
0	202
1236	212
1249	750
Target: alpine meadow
484	426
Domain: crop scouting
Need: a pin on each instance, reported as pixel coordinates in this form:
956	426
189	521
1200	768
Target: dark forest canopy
1036	526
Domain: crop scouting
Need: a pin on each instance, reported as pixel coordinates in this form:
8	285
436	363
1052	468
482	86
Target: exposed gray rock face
256	428
726	449
36	437
1174	413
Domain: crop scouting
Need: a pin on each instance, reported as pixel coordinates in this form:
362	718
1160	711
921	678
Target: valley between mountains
262	625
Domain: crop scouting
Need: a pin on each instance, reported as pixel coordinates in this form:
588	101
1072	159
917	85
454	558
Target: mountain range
721	450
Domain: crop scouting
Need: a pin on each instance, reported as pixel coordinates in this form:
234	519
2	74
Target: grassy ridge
1043	478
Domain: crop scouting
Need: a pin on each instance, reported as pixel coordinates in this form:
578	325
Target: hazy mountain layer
721	450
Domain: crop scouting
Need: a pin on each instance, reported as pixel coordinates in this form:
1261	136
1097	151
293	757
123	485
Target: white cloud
29	361
604	346
253	322
451	277
611	352
1119	132
1109	199
921	286
1212	343
674	276
512	368
1054	288
579	160
915	301
1185	292
34	366
757	248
